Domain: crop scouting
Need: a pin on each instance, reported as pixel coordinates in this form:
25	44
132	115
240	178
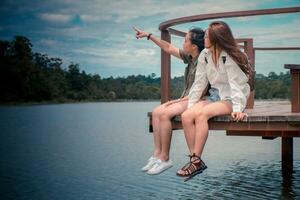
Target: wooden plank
248	126
264	134
292	66
267	116
268	137
278	111
256	126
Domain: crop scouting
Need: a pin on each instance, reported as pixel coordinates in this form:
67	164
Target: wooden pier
269	119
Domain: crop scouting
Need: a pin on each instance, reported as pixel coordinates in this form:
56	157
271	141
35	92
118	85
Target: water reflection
95	151
287	187
244	180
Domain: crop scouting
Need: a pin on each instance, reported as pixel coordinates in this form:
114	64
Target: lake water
96	151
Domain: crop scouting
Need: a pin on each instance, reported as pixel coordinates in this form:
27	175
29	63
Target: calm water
96	150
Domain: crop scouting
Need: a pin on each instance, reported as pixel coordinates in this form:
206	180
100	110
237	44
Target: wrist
148	36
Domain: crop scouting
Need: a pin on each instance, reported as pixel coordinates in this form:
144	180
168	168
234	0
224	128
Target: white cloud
46	43
69	33
94	18
56	18
123	11
273	61
127	10
273	35
121	57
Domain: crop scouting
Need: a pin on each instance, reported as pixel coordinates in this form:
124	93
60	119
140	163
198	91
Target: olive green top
190	71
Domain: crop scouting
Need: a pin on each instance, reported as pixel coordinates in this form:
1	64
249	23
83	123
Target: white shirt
228	78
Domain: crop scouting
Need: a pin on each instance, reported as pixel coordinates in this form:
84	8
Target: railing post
287	142
165	69
249	50
295	86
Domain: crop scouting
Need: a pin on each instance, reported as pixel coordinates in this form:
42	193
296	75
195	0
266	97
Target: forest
27	76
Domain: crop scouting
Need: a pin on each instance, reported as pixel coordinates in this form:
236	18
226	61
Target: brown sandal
185	167
192	168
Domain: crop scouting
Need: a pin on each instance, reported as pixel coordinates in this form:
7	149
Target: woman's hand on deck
139	33
238	116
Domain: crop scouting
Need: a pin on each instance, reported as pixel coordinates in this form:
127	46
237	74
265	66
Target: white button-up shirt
228	78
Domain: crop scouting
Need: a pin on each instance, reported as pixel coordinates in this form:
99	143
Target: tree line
26	76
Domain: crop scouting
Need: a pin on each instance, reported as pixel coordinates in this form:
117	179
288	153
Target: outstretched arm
166	46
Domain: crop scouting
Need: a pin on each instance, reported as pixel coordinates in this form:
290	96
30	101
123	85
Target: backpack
250	74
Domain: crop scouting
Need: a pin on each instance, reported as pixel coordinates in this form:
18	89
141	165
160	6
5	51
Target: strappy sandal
185	167
193	168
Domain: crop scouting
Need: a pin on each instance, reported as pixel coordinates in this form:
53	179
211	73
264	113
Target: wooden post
250	52
165	69
295	86
287	155
287	142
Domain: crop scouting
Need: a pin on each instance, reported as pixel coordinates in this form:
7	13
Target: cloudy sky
97	34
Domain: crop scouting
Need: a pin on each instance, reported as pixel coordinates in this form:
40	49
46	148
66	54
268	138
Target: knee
164	115
201	116
186	117
156	112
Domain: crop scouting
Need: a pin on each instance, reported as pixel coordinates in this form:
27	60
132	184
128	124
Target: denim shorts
214	95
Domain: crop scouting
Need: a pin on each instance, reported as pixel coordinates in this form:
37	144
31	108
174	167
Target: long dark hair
197	37
221	37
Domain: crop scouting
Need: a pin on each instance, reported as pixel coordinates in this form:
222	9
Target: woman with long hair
161	116
224	66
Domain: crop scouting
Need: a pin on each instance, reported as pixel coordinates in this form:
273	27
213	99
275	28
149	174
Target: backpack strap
224	59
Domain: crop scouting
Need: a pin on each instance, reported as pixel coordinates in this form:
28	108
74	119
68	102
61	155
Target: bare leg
207	112
199	114
188	123
155	124
165	127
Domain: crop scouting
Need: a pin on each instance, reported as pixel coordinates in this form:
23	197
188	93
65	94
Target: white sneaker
151	161
160	166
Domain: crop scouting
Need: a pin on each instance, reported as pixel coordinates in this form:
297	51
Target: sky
98	35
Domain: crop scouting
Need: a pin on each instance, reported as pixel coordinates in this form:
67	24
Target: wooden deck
267	118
